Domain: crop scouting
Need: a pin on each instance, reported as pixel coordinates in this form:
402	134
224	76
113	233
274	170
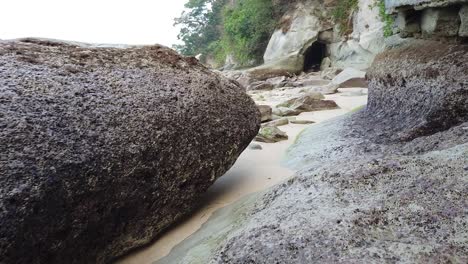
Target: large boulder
400	76
299	29
101	149
271	134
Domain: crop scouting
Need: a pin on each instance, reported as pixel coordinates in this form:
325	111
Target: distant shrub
342	14
247	29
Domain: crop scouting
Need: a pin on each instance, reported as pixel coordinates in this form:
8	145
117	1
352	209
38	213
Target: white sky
95	21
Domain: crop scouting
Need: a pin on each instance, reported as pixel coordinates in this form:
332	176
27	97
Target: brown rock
101	149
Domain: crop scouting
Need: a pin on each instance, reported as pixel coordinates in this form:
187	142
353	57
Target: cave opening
314	55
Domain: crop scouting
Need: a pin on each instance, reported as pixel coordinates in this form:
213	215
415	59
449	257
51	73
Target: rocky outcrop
358	49
391	5
101	149
307	32
265	112
445	19
308	103
350	77
401	76
361	194
270	134
299	29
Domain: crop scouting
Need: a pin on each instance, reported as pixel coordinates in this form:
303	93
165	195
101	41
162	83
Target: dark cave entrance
314	55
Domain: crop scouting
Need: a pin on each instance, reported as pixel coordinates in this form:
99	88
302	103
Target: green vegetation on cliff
217	28
386	18
342	14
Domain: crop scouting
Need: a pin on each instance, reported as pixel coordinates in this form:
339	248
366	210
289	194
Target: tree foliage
200	26
218	28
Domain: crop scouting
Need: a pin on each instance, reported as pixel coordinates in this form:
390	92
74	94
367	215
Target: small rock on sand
271	135
301	122
254	146
278	122
265	112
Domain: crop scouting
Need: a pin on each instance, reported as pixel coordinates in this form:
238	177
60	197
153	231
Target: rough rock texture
420	4
350	77
300	28
265	112
285	111
463	31
365	42
103	148
401	76
270	134
309	21
440	21
358	196
308	103
276	123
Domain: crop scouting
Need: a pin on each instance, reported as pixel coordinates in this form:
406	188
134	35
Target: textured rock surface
103	148
365	42
401	76
309	21
308	103
440	21
300	29
350	77
358	197
276	123
265	112
420	4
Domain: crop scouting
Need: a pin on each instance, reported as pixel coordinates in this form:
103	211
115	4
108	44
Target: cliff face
308	29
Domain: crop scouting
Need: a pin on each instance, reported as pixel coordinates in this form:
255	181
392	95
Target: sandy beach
255	170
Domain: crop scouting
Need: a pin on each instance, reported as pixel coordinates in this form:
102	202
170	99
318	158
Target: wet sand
255	170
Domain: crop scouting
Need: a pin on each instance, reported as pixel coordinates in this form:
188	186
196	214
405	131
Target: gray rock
285	111
265	112
309	82
330	73
101	149
326	63
326	89
440	21
463	32
271	134
301	122
406	73
309	102
350	77
277	82
408	22
287	44
391	5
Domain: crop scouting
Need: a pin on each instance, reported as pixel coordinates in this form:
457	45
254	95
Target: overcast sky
96	21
